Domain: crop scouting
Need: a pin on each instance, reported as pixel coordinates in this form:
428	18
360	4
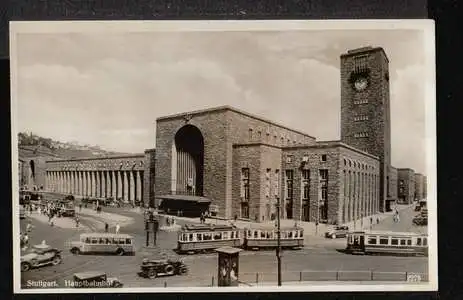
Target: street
319	254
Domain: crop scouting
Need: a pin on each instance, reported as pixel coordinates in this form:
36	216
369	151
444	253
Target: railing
302	277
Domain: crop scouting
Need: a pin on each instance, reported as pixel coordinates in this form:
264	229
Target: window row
361	134
107	241
363	101
305	158
209	236
355	164
361	118
259	136
271	234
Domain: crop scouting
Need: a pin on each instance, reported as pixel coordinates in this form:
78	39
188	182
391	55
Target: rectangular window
363	101
245	210
402	242
199	237
305	184
289	184
425	241
372	240
394	241
409	242
245	184
383	240
277	183
259	135
323	157
324	184
267	183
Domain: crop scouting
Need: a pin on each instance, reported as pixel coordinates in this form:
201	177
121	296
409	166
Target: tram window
383	240
372	240
262	234
237	234
284	234
190	237
185	238
418	241
290	234
409	242
249	233
425	241
207	237
402	242
225	235
301	233
128	241
218	236
268	234
394	241
255	234
232	236
199	237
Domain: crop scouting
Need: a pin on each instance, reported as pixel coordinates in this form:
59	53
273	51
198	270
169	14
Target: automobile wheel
25	267
120	252
152	273
75	251
169	269
56	260
183	270
333	236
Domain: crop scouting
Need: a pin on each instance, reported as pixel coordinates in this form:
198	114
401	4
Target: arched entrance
188	161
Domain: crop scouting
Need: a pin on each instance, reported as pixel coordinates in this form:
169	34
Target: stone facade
365	107
149	177
392	184
351	179
406	182
219	128
419	187
119	177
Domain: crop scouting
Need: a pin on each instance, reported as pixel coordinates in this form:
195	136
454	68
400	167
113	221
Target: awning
197	199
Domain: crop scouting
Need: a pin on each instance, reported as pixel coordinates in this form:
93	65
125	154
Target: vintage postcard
228	156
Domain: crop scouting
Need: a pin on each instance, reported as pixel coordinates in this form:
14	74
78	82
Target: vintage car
419	220
337	232
417	207
40	255
66	208
162	267
95	279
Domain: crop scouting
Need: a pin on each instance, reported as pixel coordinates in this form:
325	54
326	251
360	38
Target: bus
385	242
103	243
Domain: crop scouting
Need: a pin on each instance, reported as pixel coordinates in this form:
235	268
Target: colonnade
126	185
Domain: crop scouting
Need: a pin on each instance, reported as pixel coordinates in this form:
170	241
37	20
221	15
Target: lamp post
278	250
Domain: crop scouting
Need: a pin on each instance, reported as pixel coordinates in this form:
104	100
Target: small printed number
413	278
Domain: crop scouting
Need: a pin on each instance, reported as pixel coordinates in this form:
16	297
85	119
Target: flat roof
254	144
198	199
386	232
99	157
106	234
230	108
228	250
365	49
330	144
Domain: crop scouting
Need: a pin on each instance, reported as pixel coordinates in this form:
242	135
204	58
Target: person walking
77	221
26	240
106	227
118	227
29	226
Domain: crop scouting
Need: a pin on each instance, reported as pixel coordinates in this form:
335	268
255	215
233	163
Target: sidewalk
105	217
63	222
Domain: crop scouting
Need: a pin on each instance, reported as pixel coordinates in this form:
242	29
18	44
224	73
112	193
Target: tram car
196	238
384	242
193	238
266	237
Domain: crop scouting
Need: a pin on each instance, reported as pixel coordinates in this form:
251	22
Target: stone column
132	186
113	184
126	186
103	184
108	184
119	184
92	184
138	187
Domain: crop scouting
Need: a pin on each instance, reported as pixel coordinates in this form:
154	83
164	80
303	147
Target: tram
194	238
384	242
264	237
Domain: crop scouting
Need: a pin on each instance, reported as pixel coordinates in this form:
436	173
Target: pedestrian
80	207
77	221
371	220
26	240
106	227
39	210
118	227
29	226
377	220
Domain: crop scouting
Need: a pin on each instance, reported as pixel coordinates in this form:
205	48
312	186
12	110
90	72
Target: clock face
361	83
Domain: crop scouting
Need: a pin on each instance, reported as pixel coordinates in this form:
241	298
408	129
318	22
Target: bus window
409	242
225	235
128	241
94	241
218	236
87	241
190	237
372	240
394	241
102	241
109	241
425	241
402	242
121	241
383	240
418	241
199	237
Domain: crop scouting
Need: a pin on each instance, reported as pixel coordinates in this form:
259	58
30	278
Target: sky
108	89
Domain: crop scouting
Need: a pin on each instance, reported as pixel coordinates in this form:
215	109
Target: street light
278	250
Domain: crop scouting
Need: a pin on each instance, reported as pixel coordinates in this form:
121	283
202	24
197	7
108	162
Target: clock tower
365	108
